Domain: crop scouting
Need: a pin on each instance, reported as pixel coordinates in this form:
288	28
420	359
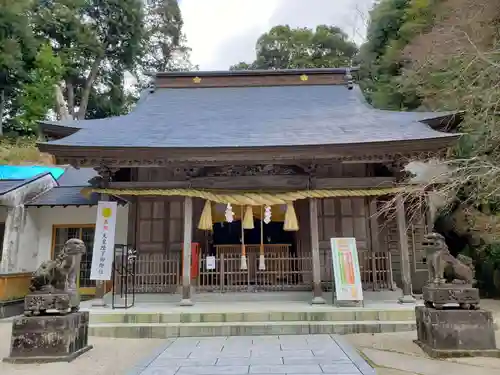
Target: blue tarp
10	172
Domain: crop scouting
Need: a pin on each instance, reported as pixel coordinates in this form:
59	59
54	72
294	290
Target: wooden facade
158	226
261	132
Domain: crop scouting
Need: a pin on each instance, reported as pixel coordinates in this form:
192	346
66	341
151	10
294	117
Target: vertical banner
346	269
104	241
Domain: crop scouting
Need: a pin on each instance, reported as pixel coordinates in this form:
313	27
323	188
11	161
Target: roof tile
252	117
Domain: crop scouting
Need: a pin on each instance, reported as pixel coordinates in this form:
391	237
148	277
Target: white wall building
37	216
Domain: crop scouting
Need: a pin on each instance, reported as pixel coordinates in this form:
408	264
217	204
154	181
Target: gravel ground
402	342
108	357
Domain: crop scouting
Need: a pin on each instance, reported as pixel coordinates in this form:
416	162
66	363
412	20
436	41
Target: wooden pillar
404	253
374	241
100	286
316	265
186	252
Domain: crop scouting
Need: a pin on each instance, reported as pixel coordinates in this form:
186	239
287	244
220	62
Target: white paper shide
104	241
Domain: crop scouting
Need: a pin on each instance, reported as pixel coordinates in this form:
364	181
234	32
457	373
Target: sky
223	32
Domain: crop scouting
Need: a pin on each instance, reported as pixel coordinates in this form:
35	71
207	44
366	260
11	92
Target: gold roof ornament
304	77
196	80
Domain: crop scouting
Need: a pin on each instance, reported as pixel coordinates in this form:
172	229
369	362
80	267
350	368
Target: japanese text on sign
104	241
346	269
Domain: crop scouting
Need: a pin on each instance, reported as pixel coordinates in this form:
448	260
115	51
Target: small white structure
37	216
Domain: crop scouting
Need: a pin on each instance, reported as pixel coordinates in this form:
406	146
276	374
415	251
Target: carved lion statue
459	270
52	275
435	247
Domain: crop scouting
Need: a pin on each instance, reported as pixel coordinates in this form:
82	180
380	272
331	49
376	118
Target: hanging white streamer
229	213
267	215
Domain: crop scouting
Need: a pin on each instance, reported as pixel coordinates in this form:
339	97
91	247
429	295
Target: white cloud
224	32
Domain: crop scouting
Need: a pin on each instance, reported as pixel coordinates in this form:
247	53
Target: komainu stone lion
460	270
53	275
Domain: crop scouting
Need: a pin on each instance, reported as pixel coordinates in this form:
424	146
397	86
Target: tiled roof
253	117
9	185
68	193
64	196
6	186
76	177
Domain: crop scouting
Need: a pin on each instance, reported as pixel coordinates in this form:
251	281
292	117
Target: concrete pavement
271	355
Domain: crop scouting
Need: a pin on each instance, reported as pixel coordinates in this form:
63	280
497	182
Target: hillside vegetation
445	55
22	151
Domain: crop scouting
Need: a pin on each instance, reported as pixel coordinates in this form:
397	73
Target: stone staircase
311	320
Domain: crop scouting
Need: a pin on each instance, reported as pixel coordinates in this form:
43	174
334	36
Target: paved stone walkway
271	355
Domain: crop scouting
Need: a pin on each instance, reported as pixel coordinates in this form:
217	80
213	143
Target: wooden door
151	225
86	234
343	217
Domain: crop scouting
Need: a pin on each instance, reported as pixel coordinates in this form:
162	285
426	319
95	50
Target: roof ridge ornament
349	79
196	79
304	77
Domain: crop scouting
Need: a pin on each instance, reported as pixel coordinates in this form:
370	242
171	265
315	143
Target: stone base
11	308
40	303
55	338
465	296
440	353
455	333
48	359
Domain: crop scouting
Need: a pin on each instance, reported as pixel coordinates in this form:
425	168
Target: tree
90	36
36	96
164	43
283	48
17	50
392	25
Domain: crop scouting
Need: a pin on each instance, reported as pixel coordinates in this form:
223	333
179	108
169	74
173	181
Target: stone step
168	330
355	315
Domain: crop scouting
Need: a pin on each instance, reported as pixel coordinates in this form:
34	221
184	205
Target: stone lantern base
456	333
49	338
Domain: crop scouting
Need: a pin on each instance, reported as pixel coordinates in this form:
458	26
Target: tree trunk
71	98
84	102
2	106
61	108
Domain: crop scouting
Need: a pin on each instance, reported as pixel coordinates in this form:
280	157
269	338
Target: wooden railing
283	271
161	273
157	273
376	270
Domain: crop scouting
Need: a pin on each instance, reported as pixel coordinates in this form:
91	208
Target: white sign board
104	241
346	269
210	264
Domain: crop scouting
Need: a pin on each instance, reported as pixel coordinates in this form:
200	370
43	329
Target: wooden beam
283	182
352	182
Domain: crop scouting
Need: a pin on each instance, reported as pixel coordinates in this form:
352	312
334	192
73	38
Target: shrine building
255	172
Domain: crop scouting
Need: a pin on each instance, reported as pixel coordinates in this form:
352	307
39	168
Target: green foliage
466	81
94	45
37	94
17	50
93	38
19	150
393	24
16	39
164	43
286	48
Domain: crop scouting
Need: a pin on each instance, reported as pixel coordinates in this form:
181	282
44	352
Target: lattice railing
285	270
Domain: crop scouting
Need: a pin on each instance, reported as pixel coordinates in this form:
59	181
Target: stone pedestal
465	296
455	332
40	303
49	338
